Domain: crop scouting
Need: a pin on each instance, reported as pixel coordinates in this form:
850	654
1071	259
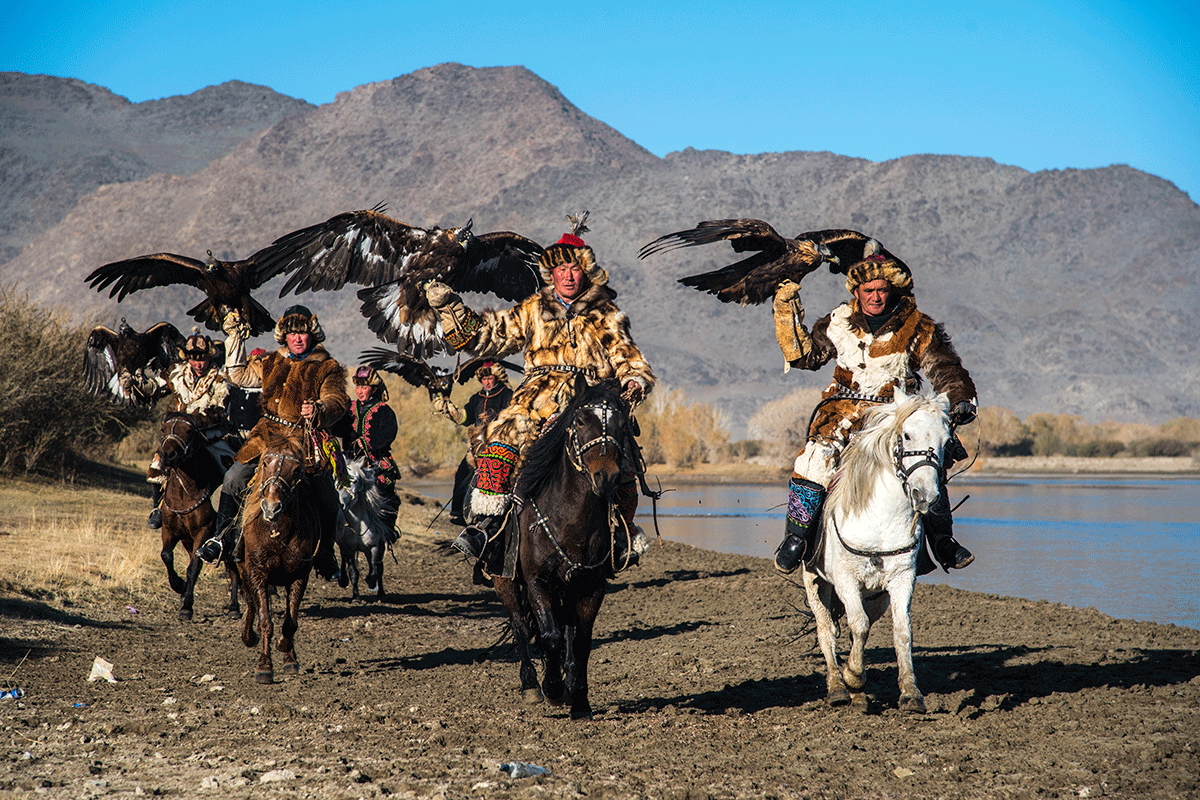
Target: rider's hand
233	323
633	393
438	294
787	291
962	413
442	404
308	410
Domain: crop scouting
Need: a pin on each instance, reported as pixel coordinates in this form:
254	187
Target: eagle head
210	266
124	329
463	235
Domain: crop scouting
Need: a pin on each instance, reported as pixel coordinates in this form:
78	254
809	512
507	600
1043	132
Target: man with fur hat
303	393
571	326
878	340
198	387
483	407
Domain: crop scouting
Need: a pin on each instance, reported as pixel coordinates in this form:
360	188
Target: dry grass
71	544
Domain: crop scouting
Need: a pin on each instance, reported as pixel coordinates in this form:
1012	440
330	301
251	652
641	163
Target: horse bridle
603	411
288	489
171	436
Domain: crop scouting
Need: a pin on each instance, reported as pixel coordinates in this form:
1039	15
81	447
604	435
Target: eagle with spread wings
773	258
437	380
393	261
116	363
226	284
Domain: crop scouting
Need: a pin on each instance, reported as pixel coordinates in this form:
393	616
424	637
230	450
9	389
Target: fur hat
366	376
197	347
298	319
495	369
876	266
571	249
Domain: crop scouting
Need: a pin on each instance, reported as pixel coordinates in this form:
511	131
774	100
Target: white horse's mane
869	453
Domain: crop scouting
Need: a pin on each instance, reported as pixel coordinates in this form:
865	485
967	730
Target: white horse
361	528
891	473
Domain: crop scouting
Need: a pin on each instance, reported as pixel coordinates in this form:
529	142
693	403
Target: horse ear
580	384
943	400
899	396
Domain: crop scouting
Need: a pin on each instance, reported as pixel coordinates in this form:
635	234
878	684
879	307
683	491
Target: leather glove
794	341
234	324
962	413
442	404
439	294
787	291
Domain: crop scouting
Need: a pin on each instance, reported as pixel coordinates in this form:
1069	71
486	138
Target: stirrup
471	541
789	554
154	522
211	551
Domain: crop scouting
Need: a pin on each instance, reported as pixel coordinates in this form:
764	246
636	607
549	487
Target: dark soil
705	679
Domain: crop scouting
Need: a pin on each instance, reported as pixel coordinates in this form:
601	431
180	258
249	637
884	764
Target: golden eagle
394	261
774	258
438	380
117	363
227	285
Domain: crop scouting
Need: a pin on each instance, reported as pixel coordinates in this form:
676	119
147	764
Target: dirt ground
705	679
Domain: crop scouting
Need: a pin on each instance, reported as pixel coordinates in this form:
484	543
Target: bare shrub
999	433
678	434
426	440
781	426
46	410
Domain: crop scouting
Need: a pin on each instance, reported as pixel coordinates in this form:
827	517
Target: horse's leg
266	628
509	595
859	623
249	633
188	600
901	599
234	609
586	609
820	600
349	572
375	569
552	640
291	620
168	558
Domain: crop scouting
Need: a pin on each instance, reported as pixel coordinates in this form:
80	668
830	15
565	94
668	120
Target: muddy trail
705	679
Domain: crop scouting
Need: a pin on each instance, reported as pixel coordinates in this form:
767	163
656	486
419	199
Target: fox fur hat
571	249
197	347
874	266
298	319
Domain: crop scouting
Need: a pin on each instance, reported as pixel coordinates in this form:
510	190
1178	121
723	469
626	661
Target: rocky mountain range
1064	290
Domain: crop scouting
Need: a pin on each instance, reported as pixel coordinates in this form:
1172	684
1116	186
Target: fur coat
591	335
872	365
286	383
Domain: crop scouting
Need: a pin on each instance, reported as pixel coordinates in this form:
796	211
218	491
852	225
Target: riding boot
474	538
155	520
324	562
227	512
939	530
800	528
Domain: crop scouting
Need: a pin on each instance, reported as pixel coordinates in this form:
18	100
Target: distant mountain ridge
1064	290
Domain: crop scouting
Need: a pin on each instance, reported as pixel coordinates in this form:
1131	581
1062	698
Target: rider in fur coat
197	386
303	389
878	340
571	326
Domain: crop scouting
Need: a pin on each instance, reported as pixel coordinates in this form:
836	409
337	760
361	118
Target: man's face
569	281
488	382
297	343
873	296
199	365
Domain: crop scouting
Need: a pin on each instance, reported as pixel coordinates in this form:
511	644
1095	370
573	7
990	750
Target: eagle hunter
226	284
774	258
393	261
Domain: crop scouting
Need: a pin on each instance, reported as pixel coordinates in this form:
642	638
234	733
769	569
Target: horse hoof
291	669
836	699
532	696
233	613
264	676
185	614
859	703
913	705
250	640
581	713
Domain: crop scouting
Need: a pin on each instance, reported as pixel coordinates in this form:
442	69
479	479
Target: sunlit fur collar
906	306
597	297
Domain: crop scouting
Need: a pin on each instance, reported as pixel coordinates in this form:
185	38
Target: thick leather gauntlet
793	339
459	323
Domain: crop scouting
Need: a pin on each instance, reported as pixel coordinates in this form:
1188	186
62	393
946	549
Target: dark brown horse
569	479
280	533
190	475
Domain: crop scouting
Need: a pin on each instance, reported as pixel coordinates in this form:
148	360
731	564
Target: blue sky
1037	85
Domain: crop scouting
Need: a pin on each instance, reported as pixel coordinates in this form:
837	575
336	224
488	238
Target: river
1129	547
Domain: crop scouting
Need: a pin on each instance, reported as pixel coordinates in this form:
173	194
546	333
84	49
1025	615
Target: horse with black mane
189	475
564	535
280	534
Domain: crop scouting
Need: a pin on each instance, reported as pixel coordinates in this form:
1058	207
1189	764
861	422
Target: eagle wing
416	372
773	258
468	370
143	272
112	359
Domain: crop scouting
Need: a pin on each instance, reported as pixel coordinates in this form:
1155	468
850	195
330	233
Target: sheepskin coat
286	383
591	334
872	365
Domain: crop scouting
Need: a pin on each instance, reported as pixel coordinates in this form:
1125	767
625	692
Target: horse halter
928	456
604	412
287	489
171	436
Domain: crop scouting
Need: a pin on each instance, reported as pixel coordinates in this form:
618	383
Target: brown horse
188	518
280	534
565	530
